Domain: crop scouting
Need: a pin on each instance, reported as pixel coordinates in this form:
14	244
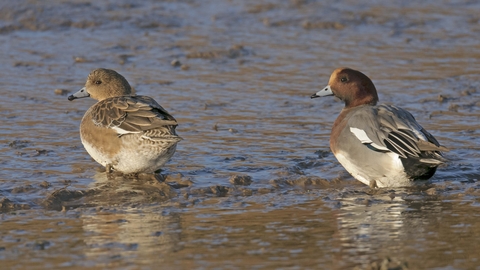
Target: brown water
242	101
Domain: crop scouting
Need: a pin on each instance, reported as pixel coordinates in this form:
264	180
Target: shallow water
242	101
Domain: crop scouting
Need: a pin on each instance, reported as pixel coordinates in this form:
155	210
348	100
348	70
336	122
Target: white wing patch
362	136
121	131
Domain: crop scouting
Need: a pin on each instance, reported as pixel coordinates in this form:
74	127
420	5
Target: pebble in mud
322	153
304	182
473	191
26	64
7	205
441	98
45	184
61	92
18	144
270	23
79	59
465	93
175	63
431	191
453	107
40	244
240	180
220	191
39	152
146	177
22	189
243	191
123	59
178	181
57	198
322	25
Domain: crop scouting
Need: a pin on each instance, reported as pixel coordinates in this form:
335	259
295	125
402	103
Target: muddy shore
253	184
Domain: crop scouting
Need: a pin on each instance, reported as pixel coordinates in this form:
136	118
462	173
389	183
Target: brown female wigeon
122	131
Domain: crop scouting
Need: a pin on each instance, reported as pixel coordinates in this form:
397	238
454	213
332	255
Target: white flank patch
393	176
362	136
351	168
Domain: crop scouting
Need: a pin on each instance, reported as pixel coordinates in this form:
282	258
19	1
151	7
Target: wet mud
253	184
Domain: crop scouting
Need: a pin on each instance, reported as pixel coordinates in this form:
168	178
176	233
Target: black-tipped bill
327	91
82	93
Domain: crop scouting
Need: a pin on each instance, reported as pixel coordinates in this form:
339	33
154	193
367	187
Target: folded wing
135	114
387	128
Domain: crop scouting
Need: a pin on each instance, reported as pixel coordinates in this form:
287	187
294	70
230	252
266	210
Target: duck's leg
373	184
109	168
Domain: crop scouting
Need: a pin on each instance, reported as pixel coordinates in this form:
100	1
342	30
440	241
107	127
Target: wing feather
386	127
133	114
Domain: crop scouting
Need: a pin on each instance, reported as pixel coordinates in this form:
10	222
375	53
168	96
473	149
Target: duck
124	132
379	145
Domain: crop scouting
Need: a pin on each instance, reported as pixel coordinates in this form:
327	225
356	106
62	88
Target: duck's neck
360	101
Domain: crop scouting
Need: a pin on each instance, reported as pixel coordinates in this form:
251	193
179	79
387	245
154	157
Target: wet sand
253	184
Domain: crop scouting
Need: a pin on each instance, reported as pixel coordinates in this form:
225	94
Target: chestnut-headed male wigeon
124	132
379	145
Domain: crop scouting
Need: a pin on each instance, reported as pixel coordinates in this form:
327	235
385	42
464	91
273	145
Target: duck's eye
344	79
98	82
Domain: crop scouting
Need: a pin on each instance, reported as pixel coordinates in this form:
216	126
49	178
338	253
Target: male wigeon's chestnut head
102	84
351	86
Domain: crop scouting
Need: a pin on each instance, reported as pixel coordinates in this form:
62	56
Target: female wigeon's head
102	84
351	86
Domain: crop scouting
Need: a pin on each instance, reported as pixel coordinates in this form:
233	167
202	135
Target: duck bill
327	91
82	93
